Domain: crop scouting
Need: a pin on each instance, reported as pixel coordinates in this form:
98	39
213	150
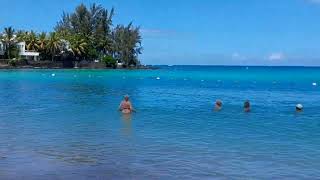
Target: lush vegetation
85	34
9	42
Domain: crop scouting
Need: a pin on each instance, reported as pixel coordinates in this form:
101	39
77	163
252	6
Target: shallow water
66	125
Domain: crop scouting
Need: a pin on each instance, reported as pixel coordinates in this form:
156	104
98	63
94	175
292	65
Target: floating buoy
299	107
158	78
314	84
247	68
53	74
202	80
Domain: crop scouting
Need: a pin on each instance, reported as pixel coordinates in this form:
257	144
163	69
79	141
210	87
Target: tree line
87	33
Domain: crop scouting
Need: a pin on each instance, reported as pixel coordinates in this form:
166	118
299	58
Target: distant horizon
233	65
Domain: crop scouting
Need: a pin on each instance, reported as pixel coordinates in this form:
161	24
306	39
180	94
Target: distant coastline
48	64
30	64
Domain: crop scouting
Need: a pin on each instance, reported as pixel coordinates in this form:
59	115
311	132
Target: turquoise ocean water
64	124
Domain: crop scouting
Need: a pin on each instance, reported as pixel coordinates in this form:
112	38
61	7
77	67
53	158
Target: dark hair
246	104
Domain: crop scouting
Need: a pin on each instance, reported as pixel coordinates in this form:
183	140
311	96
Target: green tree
92	24
9	42
109	61
21	36
127	44
42	45
54	44
32	41
42	41
78	46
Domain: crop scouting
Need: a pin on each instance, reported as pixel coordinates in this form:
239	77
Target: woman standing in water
126	106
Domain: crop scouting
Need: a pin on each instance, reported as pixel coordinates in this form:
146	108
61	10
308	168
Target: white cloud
276	56
238	56
235	55
157	32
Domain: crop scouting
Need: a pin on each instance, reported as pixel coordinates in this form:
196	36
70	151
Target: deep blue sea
64	124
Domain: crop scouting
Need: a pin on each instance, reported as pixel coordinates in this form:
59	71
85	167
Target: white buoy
314	84
53	74
158	78
299	107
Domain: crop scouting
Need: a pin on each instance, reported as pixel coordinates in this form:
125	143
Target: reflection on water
126	124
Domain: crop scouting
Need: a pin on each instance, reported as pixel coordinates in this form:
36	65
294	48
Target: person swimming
218	105
126	106
299	108
246	106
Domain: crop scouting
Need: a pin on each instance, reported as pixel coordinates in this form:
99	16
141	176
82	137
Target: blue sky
206	32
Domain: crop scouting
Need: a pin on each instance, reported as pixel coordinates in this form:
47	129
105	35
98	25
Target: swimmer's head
246	106
218	103
299	107
126	97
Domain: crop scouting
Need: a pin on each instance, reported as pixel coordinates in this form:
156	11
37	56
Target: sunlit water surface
64	124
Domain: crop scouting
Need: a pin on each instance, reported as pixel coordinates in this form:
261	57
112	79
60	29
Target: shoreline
85	68
26	64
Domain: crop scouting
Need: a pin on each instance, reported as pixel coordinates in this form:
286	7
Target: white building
23	53
119	64
32	55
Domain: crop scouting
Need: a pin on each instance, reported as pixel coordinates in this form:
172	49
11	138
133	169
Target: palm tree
32	41
22	35
78	46
42	41
42	44
9	41
54	44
